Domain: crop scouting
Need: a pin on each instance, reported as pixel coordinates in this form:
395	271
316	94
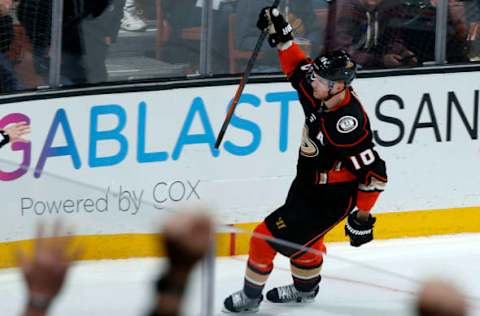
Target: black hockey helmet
335	66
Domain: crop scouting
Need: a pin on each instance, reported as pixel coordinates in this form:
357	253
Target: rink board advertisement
117	163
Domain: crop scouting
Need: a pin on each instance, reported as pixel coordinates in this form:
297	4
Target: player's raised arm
327	183
280	36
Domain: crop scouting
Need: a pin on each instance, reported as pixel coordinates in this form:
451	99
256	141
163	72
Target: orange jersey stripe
261	254
333	176
290	58
366	200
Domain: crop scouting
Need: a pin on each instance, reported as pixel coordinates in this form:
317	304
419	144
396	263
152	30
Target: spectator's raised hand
45	271
187	238
16	131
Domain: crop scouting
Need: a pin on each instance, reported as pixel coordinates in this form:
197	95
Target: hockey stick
243	82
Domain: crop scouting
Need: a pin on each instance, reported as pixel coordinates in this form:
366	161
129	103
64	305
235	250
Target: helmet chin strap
331	84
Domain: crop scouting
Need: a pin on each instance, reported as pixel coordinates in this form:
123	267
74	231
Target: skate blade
294	303
247	311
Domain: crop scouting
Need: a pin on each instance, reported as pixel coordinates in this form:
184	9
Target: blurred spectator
187	239
132	20
8	80
300	14
472	14
418	30
6	26
360	27
394	33
183	19
45	271
98	32
88	28
320	4
180	15
439	298
14	133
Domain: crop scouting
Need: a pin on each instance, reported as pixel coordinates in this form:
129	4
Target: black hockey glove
359	232
279	30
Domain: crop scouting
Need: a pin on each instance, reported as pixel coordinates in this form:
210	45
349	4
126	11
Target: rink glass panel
187	39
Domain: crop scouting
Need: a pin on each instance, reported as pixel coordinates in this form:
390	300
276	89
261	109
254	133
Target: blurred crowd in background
120	40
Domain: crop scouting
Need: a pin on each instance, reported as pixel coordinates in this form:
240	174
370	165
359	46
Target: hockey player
339	174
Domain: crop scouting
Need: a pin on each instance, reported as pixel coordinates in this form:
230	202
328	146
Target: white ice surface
376	279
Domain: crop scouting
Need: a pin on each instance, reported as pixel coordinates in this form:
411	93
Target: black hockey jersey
337	144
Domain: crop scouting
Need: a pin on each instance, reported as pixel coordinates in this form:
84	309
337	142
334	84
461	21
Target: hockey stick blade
243	82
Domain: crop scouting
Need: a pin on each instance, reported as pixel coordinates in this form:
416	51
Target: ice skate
239	302
289	294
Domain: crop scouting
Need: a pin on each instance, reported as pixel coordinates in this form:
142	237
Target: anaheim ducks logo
308	148
347	124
